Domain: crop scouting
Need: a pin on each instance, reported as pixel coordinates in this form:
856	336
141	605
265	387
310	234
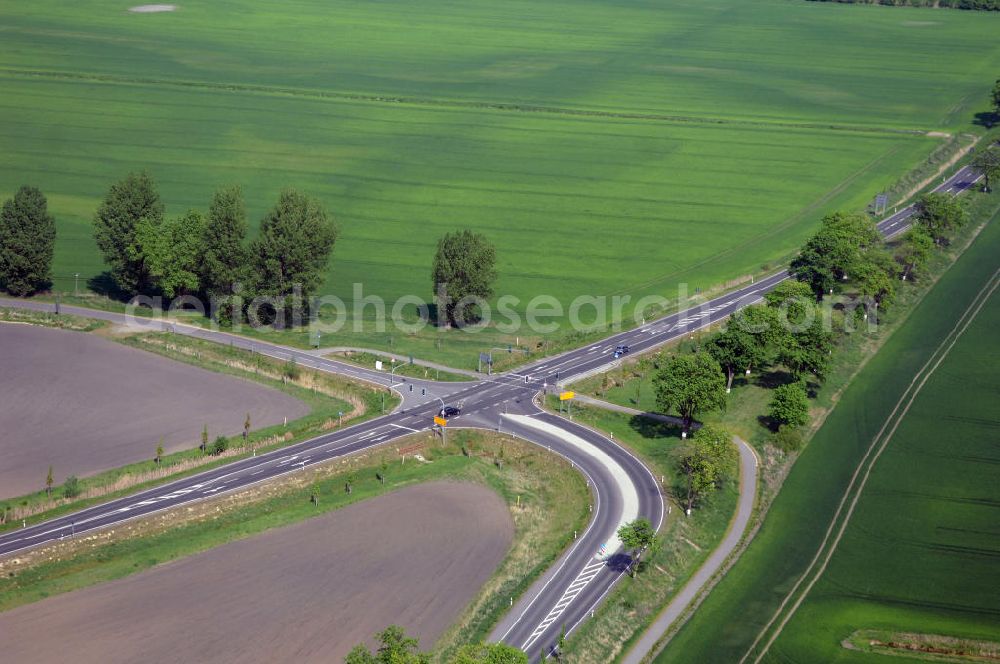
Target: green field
605	147
920	552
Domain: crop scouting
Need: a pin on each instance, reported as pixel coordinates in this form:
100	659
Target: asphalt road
539	617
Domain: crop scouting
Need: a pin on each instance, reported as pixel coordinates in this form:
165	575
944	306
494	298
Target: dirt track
304	593
85	404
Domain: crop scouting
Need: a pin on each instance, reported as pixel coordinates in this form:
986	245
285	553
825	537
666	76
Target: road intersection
621	485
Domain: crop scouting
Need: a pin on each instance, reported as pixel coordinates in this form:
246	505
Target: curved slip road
483	402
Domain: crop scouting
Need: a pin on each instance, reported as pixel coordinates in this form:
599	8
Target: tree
204	439
987	162
49	480
246	429
807	351
728	348
794	297
705	461
489	653
224	262
27	240
939	214
747	341
395	647
914	251
128	205
349	482
690	383
830	255
635	537
159	451
464	269
790	405
811	267
875	277
173	250
760	324
293	248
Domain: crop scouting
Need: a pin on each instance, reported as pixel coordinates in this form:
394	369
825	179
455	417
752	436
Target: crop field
604	147
920	552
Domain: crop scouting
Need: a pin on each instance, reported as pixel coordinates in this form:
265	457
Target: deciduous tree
807	351
293	247
987	162
790	404
395	647
690	383
831	254
27	240
875	277
464	269
795	298
173	252
705	461
939	214
914	251
636	536
749	340
224	262
129	204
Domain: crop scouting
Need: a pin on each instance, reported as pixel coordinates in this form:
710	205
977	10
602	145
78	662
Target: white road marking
629	512
400	426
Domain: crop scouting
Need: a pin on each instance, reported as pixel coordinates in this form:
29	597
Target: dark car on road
449	411
621	350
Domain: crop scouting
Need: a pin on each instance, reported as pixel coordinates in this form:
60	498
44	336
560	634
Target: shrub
220	445
71	488
787	439
291	369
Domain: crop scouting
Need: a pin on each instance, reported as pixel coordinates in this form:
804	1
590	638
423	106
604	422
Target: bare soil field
304	593
85	404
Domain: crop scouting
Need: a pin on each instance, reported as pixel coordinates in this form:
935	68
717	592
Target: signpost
568	397
441	422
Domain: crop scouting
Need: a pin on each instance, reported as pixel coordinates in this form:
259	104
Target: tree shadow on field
986	119
772	379
768	423
649	427
104	284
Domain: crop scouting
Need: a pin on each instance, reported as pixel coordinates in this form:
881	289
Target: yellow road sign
566	396
440	421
